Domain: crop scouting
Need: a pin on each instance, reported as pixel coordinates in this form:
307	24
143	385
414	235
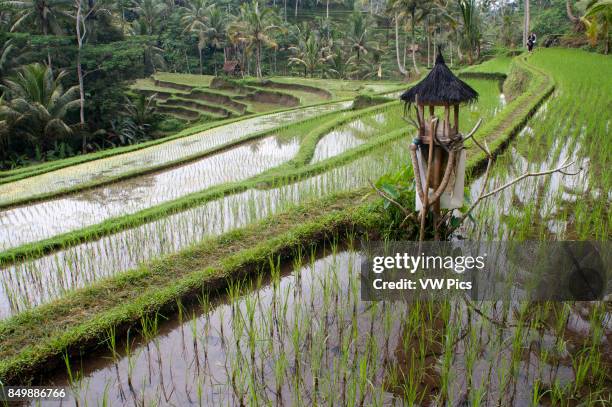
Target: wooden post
421	120
447	125
456	118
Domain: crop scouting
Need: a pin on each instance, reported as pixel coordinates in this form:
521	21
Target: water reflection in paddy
307	338
155	155
49	218
34	282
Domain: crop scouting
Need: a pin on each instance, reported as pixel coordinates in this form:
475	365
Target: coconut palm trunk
413	45
400	66
200	55
526	23
258	56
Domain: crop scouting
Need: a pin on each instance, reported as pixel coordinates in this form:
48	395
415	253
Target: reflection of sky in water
46	219
155	155
39	280
347	136
222	344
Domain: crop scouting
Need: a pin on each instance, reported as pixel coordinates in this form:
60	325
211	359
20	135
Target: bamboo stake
433	127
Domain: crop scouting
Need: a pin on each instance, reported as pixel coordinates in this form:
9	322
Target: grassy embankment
83	318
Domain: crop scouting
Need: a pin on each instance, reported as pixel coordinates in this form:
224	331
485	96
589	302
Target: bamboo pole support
433	127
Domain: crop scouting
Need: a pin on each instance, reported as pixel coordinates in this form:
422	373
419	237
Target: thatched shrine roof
440	88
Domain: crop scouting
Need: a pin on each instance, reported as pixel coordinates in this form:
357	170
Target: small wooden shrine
437	151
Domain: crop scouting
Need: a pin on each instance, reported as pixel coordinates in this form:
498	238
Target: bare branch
482	195
411	121
527	175
473	131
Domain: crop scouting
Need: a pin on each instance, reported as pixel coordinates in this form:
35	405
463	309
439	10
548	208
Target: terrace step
217	99
172	85
325	94
198	106
179	112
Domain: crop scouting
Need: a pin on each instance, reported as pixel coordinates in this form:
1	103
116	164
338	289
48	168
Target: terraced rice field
301	332
155	157
83	264
201	97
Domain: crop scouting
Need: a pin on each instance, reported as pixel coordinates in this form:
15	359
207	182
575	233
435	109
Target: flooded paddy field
156	155
304	334
39	221
305	337
34	282
301	335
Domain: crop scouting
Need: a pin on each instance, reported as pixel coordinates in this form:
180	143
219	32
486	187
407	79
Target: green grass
200	81
500	64
576	124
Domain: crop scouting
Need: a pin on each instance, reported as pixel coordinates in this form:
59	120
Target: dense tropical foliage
88	52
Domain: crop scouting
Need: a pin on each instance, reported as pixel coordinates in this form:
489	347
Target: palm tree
149	12
38	105
415	10
358	37
311	55
5	61
216	34
253	28
471	27
195	19
44	15
598	19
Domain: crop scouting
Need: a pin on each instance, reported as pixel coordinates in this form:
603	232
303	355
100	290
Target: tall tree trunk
526	23
570	13
400	66
200	55
259	75
327	10
428	42
413	46
297	3
80	37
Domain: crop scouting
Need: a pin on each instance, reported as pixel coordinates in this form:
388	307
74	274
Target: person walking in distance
531	40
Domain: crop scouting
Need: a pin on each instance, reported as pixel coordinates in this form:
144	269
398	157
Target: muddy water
49	218
273	342
35	282
156	155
